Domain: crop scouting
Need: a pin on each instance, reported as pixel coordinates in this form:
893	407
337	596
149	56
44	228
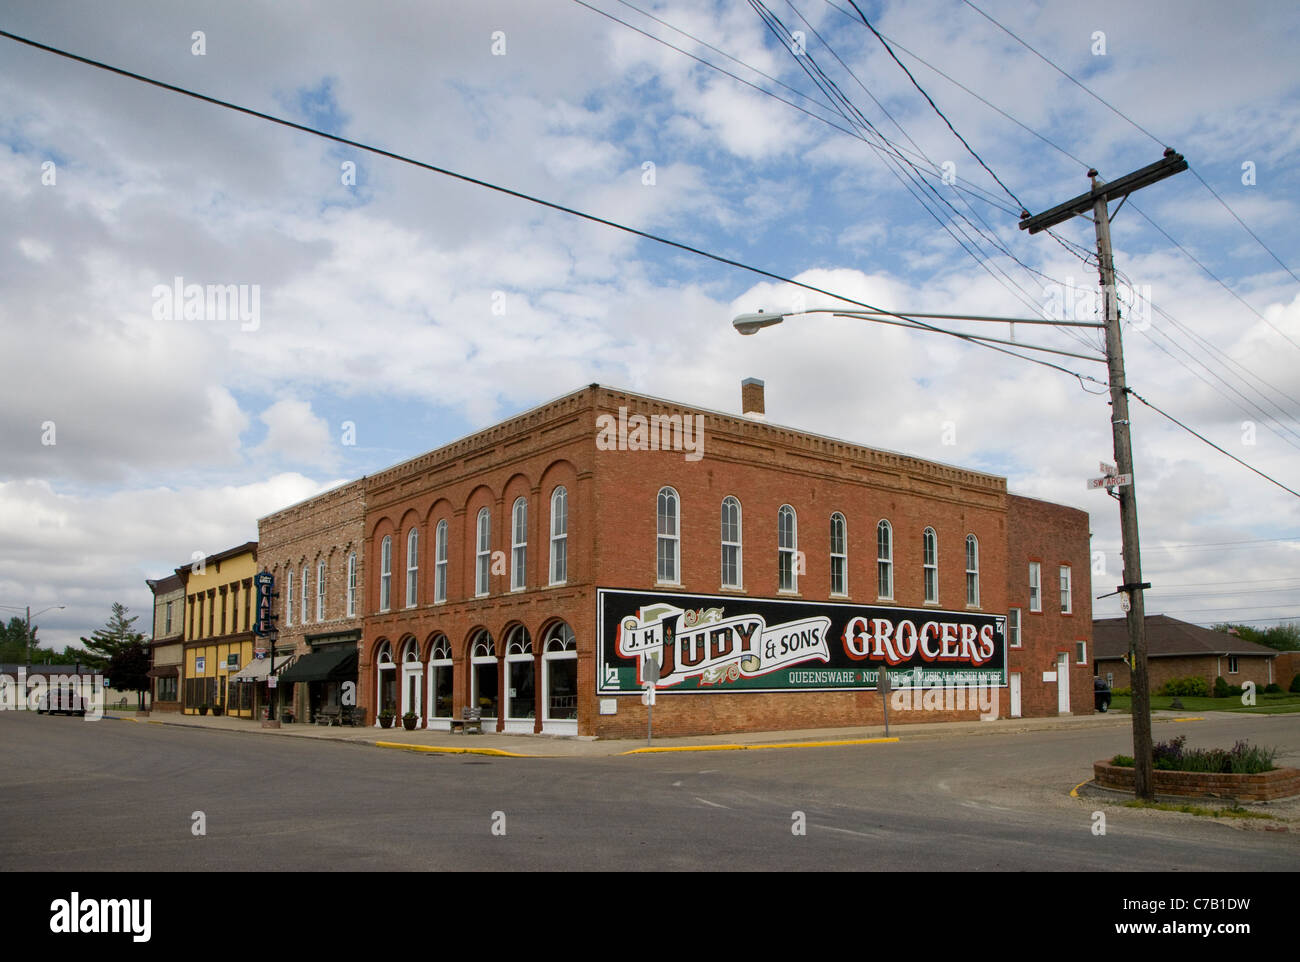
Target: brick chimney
751	399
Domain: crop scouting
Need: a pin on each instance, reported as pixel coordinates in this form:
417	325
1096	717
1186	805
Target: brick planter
1265	787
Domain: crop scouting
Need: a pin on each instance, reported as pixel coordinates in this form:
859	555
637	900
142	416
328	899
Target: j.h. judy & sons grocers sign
707	643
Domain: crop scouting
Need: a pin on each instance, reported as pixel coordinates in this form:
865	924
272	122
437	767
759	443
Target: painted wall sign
709	643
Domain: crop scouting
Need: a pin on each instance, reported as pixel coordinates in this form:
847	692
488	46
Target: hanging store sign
710	643
264	585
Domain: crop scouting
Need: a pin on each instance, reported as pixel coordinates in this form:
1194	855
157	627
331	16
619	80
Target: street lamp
29	623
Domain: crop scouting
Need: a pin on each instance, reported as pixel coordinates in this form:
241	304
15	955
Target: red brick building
533	568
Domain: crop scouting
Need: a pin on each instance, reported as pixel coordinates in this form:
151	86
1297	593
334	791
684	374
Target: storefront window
484	691
560	660
521	696
440	678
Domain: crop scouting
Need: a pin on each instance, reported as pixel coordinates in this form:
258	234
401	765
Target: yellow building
218	631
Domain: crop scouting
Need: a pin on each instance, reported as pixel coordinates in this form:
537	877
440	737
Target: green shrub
1295	684
1220	688
1128	692
1273	689
1191	686
1174	756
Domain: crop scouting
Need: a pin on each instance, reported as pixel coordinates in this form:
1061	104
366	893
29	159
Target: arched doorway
484	687
521	682
385	681
412	678
560	680
440	683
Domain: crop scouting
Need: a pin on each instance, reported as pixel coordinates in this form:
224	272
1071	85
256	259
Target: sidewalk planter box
409	722
1264	787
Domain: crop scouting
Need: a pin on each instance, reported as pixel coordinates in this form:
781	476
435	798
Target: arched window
288	600
304	594
320	590
839	555
519	545
972	571
521	678
483	554
352	585
732	553
440	678
930	564
884	560
560	678
787	547
412	566
668	553
440	563
386	573
484	692
559	536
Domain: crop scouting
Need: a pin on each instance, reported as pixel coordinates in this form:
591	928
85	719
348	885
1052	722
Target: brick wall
1052	535
329	528
612	543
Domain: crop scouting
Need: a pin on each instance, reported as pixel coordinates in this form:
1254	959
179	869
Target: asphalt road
115	795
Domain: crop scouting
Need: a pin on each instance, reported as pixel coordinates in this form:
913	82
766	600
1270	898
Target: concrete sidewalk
543	746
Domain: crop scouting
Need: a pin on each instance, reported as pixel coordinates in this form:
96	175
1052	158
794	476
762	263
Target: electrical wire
402	158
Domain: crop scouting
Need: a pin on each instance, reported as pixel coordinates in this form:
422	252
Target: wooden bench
327	716
469	718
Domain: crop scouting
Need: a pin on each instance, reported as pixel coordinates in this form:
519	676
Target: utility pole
1096	201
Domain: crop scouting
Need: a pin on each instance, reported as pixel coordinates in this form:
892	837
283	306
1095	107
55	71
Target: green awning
331	664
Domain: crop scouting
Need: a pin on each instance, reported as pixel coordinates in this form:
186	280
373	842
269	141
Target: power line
1125	116
1213	445
1215	544
969	148
402	158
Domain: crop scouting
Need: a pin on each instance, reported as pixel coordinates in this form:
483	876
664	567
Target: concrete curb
740	748
444	750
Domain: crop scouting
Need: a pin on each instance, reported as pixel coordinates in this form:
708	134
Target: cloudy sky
397	309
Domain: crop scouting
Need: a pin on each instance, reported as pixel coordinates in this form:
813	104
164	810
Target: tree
128	670
116	636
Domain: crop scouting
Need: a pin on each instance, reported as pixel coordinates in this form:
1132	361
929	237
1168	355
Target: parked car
1100	694
61	701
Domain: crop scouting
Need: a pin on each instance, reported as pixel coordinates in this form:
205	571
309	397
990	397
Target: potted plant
386	718
409	720
203	709
216	709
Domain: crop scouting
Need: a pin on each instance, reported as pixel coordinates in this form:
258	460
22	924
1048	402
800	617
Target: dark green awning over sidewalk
336	664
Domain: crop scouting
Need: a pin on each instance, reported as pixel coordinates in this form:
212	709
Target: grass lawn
1264	704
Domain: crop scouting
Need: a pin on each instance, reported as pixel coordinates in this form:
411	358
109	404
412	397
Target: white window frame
305	594
787	550
559	573
483	553
1233	666
519	650
668	538
352	585
1035	586
288	599
320	590
386	573
972	571
841	556
1067	602
440	562
735	544
1013	628
559	644
930	565
412	567
884	560
439	660
1080	652
483	653
519	545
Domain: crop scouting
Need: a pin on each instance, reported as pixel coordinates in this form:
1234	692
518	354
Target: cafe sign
705	643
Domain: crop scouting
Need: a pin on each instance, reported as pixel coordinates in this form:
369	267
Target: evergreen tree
116	636
128	670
